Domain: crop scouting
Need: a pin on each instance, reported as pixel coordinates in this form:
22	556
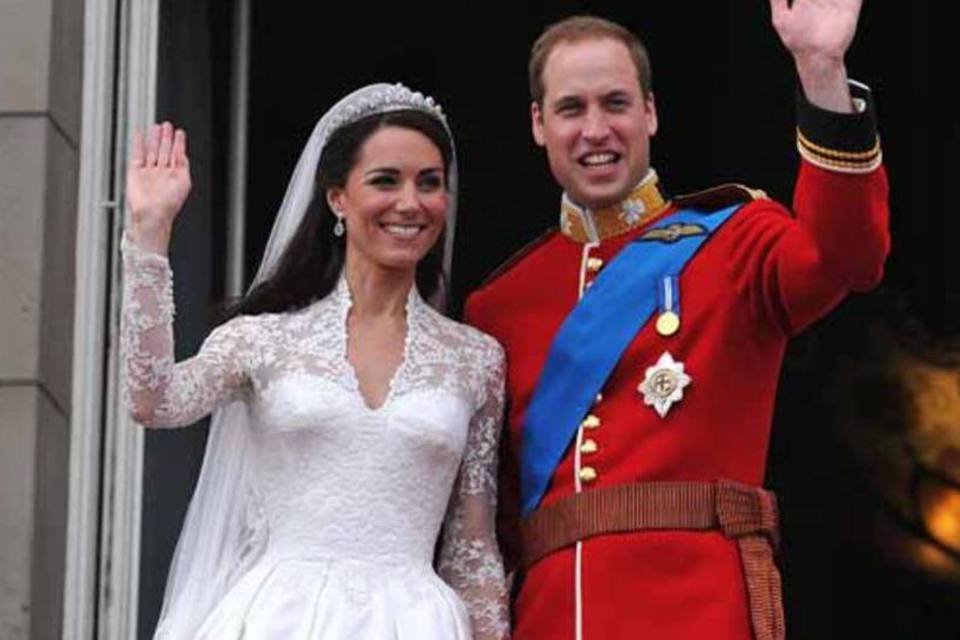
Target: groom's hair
579	28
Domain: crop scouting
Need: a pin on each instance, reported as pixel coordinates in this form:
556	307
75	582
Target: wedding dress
346	501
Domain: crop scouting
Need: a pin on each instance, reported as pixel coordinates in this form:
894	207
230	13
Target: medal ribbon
591	340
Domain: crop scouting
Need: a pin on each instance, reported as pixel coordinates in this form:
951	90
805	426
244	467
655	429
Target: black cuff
845	142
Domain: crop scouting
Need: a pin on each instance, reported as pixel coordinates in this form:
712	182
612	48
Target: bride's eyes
382	180
430	181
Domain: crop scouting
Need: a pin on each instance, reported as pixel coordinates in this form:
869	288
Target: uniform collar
643	203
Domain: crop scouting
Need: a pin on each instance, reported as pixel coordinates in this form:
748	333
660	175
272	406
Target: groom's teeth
595	159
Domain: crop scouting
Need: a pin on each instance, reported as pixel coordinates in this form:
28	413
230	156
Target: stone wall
41	53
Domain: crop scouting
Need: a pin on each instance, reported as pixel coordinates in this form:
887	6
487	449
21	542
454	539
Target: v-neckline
346	303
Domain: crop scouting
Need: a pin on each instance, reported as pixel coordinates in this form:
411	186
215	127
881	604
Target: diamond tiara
391	98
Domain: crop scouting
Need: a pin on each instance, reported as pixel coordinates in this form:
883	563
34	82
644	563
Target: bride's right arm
159	392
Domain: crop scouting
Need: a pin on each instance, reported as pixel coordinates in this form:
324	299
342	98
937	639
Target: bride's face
394	202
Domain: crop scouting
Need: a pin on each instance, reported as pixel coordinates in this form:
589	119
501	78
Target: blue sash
591	340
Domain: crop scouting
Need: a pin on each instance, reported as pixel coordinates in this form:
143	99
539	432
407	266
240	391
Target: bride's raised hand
158	182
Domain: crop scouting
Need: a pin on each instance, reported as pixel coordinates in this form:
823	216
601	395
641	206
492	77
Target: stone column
41	52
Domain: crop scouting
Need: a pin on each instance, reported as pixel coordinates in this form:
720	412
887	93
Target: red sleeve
797	268
837	244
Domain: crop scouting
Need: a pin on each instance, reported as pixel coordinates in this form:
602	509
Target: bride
352	422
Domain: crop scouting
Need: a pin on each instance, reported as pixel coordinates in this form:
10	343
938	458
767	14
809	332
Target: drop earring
339	229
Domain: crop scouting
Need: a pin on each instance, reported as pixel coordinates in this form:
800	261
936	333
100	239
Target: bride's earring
339	229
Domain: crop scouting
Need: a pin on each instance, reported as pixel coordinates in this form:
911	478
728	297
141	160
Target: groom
645	336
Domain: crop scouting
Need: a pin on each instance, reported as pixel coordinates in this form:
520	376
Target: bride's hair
311	264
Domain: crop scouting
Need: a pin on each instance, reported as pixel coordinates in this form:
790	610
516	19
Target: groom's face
594	122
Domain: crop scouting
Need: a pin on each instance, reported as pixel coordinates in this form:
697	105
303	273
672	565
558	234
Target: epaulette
519	255
718	197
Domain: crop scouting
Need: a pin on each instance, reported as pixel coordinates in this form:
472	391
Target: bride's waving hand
158	183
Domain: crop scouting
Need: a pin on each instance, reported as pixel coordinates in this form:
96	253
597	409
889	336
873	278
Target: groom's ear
536	123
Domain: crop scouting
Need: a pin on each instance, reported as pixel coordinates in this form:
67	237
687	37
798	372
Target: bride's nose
408	200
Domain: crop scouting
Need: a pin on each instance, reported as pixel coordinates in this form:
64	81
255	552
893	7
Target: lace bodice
334	477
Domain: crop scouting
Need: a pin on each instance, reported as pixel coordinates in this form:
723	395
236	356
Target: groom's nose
596	126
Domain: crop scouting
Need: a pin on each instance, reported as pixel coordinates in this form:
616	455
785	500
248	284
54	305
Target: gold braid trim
854	162
834	153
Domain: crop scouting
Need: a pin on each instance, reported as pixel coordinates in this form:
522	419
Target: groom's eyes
617	102
568	107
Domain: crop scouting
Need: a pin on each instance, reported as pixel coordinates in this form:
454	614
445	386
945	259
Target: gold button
594	264
590	422
589	446
588	474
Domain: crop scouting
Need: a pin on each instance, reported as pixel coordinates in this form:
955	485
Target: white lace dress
352	498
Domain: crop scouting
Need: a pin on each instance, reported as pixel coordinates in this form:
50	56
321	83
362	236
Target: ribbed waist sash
741	512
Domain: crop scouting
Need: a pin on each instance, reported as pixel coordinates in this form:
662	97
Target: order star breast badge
664	384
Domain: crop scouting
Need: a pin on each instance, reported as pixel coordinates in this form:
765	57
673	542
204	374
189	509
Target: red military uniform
761	278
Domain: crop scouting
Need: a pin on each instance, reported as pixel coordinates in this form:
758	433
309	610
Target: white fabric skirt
323	599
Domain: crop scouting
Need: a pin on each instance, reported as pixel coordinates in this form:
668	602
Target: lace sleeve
469	558
157	391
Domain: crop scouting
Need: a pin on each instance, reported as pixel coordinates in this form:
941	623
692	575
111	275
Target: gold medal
668	323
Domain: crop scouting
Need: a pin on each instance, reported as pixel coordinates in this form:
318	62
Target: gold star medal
664	384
